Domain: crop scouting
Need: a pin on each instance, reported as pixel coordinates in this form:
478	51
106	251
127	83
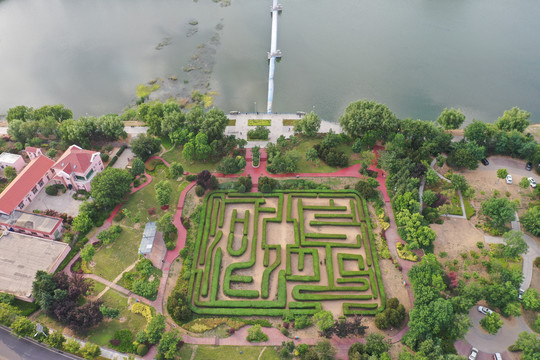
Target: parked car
508	179
484	310
520	296
497	356
528	167
485	161
532	182
474	354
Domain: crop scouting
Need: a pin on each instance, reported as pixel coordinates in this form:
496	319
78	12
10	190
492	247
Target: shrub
52	153
104	157
51	190
199	190
255	334
492	323
302	322
259	133
191	177
124	340
392	316
142	350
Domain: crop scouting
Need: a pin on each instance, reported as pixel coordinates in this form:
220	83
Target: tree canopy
309	124
110	186
363	116
144	146
500	211
513	119
451	119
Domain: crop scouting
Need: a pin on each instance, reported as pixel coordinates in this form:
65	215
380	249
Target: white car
474	354
532	182
508	179
484	310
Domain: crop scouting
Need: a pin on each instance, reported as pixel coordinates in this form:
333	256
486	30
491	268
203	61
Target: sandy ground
283	234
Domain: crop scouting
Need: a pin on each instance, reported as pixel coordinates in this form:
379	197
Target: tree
531	220
231	165
163	192
255	334
376	344
309	124
431	177
23	326
524	183
284	163
72	346
176	170
531	299
429	197
492	323
20	112
10	173
90	351
324	319
168	346
325	350
311	155
364	116
82	223
366	188
214	124
144	146
137	167
155	329
55	340
500	211
110	186
515	244
451	119
513	119
465	155
87	253
459	182
502	173
479	132
529	343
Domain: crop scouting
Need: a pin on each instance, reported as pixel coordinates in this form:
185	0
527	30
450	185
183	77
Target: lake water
416	56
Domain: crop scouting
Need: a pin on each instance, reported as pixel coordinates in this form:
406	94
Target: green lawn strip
104	332
186	351
195	167
259	122
111	260
270	353
166	142
289	122
98	287
231	123
469	210
26	308
49	322
205	352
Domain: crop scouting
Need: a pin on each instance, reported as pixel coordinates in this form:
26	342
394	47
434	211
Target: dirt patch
458	238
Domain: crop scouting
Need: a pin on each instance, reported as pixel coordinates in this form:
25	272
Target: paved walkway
528	258
277	128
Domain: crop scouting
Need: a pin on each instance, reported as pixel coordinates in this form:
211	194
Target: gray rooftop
9	158
21	256
30	221
148	237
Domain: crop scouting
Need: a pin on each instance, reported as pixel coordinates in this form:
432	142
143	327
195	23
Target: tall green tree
168	346
363	116
144	146
492	323
309	124
513	119
87	252
531	220
451	119
137	167
155	329
529	343
110	187
163	192
515	244
500	211
479	132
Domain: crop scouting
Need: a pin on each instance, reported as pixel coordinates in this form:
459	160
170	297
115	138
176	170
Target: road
13	348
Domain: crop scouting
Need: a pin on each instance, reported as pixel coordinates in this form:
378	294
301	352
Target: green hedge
240	251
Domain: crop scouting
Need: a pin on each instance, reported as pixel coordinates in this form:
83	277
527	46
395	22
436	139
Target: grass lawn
26	308
98	287
205	352
195	167
259	122
104	331
304	166
48	321
270	354
166	142
112	259
185	351
231	123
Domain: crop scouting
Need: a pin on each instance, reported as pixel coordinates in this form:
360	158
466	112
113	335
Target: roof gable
75	160
15	192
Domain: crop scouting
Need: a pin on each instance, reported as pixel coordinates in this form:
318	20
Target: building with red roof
30	181
77	167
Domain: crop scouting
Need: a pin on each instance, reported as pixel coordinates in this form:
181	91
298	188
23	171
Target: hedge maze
262	254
